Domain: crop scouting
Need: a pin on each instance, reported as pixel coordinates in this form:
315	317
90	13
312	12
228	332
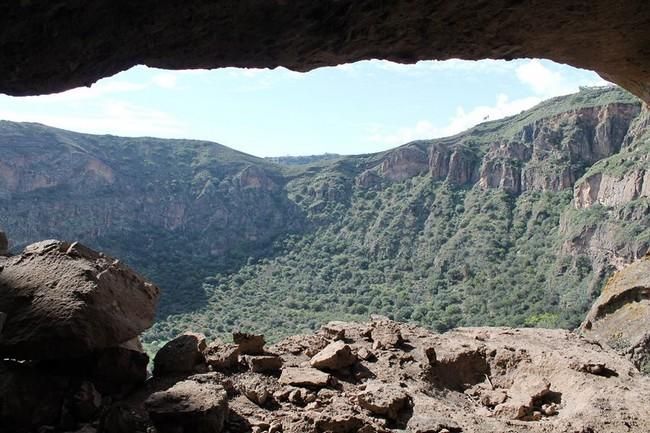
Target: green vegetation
281	246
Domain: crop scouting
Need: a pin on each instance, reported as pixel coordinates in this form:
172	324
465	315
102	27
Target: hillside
514	222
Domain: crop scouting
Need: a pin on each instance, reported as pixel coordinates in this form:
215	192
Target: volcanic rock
29	398
335	356
249	344
49	47
384	399
118	370
189	407
264	363
307	377
385	335
181	355
620	317
222	356
65	300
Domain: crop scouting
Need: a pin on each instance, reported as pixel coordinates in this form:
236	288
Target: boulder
624	300
385	335
4	244
181	355
335	356
304	376
189	407
383	399
264	363
29	398
249	344
118	370
65	300
85	402
432	424
221	356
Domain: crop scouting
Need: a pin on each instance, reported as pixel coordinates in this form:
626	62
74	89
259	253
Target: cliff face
549	154
192	204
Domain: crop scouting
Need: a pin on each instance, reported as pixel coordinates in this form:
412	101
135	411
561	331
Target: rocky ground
73	363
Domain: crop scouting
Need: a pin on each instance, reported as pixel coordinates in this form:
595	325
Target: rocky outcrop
181	355
189	407
620	317
611	190
376	377
403	163
47	48
64	300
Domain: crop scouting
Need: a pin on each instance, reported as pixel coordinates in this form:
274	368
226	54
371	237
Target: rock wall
48	47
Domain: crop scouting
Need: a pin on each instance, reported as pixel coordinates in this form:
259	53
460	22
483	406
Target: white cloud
547	83
165	80
461	121
111	117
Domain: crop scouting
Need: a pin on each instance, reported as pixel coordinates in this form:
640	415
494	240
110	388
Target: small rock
307	377
276	427
181	355
386	335
383	399
221	356
431	424
335	356
264	363
365	354
86	402
249	344
189	407
334	330
491	398
257	394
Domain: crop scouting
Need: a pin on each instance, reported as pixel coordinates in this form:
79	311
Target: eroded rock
308	377
181	355
335	356
64	300
189	407
384	399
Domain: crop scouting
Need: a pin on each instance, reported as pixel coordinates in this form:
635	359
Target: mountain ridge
434	231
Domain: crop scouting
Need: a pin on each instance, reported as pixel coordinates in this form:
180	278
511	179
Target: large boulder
181	355
29	398
65	300
620	317
189	407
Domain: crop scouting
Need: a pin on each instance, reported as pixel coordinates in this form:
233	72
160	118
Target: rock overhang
48	47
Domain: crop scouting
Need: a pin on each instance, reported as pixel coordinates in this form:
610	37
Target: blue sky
349	109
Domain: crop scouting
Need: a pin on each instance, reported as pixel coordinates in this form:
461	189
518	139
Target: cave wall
50	46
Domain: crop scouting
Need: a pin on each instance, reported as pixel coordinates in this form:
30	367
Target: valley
515	222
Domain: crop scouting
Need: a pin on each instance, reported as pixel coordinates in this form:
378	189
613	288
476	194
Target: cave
48	47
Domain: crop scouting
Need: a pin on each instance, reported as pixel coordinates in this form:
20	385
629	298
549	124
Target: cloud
460	121
165	80
547	83
111	117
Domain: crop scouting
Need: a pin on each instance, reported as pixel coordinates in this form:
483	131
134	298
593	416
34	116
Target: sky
356	108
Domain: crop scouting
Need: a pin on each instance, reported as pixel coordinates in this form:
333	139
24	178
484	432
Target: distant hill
513	222
302	160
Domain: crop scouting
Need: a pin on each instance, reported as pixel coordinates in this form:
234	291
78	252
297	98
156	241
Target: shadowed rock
54	46
65	300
